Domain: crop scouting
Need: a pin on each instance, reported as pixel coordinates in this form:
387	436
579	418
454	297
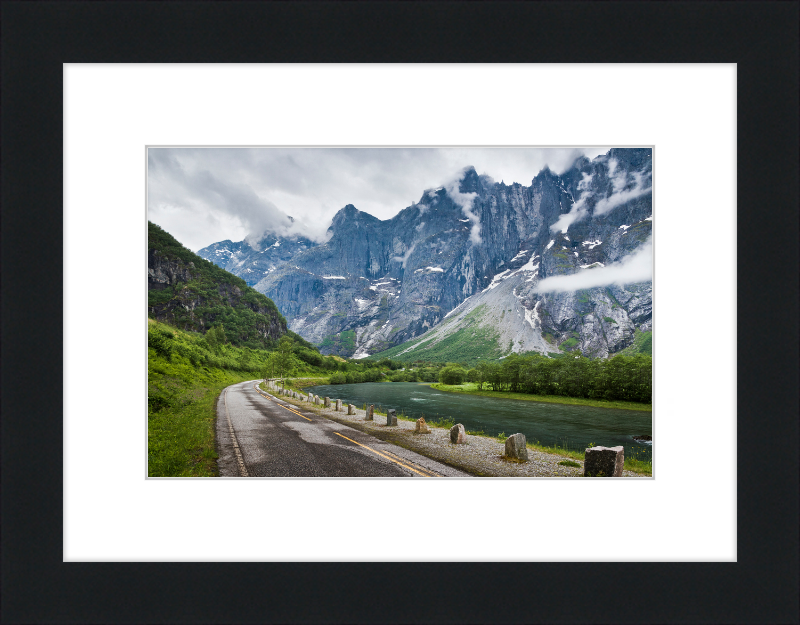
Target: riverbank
298	384
480	456
471	388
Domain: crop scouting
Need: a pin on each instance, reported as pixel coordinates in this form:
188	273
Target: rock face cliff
478	245
252	262
192	293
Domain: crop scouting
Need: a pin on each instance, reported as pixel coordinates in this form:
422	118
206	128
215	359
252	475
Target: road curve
259	435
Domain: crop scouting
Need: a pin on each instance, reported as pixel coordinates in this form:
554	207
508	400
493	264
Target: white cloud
258	187
578	211
619	180
185	186
618	196
586	181
637	267
404	257
465	200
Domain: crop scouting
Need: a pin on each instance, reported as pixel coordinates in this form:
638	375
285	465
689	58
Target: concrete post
604	461
458	434
391	417
516	447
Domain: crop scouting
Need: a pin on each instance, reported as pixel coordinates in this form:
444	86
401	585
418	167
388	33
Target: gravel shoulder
480	456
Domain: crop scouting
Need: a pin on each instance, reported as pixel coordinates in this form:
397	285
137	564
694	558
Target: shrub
451	375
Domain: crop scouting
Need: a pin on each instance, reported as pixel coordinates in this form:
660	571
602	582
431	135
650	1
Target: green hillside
470	344
186	373
642	344
194	294
185	376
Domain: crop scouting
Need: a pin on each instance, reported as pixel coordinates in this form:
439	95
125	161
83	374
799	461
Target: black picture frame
761	37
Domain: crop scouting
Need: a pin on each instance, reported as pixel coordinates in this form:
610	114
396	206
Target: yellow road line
382	455
281	405
423	469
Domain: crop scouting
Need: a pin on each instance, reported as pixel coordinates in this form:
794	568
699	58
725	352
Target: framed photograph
710	88
485	329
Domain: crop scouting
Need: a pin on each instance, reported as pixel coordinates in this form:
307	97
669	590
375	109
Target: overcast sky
205	195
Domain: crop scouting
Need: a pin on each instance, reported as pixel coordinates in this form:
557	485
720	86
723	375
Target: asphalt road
273	438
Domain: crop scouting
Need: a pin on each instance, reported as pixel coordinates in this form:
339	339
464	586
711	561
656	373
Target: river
573	427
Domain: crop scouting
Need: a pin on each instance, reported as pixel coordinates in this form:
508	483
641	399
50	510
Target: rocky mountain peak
632	158
544	174
375	284
350	217
471	182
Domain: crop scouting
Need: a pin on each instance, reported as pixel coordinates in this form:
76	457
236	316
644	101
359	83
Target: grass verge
633	462
181	431
471	388
298	384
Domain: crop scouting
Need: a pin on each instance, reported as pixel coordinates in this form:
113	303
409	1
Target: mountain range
474	269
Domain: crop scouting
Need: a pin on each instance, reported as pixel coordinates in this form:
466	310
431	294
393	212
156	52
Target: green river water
573	427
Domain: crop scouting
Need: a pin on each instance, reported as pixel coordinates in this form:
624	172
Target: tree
452	375
494	375
482	374
284	357
269	368
246	359
220	332
211	339
511	368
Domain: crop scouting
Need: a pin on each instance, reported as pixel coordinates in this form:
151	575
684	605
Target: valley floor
481	456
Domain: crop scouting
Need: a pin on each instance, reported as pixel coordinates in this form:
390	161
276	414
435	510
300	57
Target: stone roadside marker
351	409
391	417
458	435
604	461
370	413
422	427
338	405
516	447
327	402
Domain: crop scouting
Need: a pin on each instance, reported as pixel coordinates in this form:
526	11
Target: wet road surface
273	438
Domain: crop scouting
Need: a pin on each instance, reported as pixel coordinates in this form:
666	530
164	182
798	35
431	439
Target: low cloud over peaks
620	180
184	186
465	201
204	195
579	209
402	259
637	267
